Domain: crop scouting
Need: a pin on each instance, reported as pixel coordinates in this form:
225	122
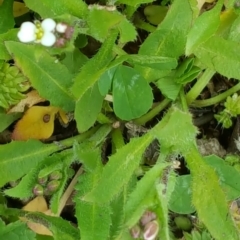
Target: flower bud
147	217
151	230
61	27
69	32
183	223
53	185
135	232
55	175
38	190
60	42
43	180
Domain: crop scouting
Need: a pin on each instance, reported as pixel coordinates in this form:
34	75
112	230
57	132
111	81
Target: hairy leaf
6	13
170	37
129	88
119	170
16	230
50	78
143	188
220	55
18	158
204	27
47	9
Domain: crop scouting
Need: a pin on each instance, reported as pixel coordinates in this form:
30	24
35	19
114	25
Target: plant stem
129	11
183	100
199	85
217	99
152	113
117	139
139	23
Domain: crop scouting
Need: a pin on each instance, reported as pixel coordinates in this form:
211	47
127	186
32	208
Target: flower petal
61	27
48	39
27	32
48	24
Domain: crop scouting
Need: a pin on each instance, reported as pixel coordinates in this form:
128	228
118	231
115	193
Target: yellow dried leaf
37	123
38	204
31	99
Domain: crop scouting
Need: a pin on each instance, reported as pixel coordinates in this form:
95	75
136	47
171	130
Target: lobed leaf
51	79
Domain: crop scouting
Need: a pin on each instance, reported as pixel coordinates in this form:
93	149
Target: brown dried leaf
31	99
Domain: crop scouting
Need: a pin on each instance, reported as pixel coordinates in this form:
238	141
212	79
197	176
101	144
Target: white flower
38	32
61	27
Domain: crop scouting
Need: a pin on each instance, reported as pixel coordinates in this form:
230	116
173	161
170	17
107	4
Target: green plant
114	189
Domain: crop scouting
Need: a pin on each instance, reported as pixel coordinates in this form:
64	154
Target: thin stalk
153	112
216	99
141	24
129	11
183	100
117	139
200	85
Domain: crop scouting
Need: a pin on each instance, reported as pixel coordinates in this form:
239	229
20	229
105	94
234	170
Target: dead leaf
38	204
31	99
37	123
18	8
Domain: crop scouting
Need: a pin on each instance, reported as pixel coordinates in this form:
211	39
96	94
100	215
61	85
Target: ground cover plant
119	119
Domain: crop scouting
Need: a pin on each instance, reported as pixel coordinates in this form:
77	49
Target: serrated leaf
118	170
24	189
204	27
18	158
170	37
47	9
143	188
51	79
129	88
109	20
6	12
16	230
220	55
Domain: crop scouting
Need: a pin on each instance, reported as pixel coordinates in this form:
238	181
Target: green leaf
143	188
74	60
134	3
119	170
109	20
170	38
181	198
220	55
129	88
6	12
50	78
204	27
228	176
87	78
11	35
61	229
88	108
48	9
18	158
93	219
7	119
16	230
24	189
